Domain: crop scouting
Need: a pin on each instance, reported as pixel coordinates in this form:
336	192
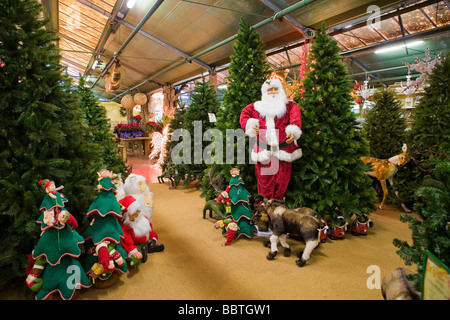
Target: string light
159	142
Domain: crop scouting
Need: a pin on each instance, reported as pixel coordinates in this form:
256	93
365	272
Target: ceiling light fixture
411	44
130	3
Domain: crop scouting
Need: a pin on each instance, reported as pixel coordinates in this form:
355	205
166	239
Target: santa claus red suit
276	124
137	229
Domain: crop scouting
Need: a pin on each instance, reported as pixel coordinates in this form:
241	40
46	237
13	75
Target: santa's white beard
272	105
140	225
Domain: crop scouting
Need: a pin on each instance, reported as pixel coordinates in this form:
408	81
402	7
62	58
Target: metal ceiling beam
419	35
78	43
364	68
119	19
164	44
130	37
52	12
223	8
390	14
307	32
105	35
277	15
72	63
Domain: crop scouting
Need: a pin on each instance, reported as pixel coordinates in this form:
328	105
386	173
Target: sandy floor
195	265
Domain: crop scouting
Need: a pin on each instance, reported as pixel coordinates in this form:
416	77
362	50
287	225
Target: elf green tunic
65	278
106	211
56	242
105	203
59	245
240	207
49	203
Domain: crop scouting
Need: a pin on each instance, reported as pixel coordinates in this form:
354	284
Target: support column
213	79
169	98
144	111
308	45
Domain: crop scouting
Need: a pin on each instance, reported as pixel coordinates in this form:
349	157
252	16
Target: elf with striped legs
54	265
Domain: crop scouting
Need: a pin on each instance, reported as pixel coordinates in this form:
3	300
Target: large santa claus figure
276	124
139	236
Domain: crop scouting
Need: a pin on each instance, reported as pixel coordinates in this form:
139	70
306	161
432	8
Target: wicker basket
127	102
140	98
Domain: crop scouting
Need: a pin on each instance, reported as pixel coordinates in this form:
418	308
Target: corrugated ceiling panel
439	13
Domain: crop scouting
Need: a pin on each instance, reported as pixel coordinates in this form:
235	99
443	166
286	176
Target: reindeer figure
385	169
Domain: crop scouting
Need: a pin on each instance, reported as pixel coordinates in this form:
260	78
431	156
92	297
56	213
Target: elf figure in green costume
55	268
240	211
105	231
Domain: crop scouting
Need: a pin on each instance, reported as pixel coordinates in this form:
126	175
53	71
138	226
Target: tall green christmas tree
330	177
247	72
169	168
42	131
100	128
430	132
385	126
431	126
196	121
428	179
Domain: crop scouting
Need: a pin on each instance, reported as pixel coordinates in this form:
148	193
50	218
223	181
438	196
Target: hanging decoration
424	67
112	80
410	88
127	101
365	92
140	98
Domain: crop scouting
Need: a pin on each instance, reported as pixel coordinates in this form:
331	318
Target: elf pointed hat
129	205
45	183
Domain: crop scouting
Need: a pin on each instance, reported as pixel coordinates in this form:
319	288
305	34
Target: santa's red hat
129	205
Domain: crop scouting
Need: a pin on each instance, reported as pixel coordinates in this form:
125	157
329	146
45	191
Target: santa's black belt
273	148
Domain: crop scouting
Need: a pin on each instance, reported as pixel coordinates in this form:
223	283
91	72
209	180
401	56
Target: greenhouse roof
169	42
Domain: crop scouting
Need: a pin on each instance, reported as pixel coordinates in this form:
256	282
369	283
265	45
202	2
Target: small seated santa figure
139	236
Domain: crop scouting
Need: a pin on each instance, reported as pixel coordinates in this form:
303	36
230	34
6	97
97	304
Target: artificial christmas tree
428	178
168	168
42	131
431	125
430	132
99	126
385	126
247	72
196	120
106	254
330	177
431	231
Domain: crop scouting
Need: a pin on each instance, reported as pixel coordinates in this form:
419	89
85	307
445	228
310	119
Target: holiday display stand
106	255
53	260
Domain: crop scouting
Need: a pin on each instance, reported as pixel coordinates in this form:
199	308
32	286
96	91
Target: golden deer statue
385	169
